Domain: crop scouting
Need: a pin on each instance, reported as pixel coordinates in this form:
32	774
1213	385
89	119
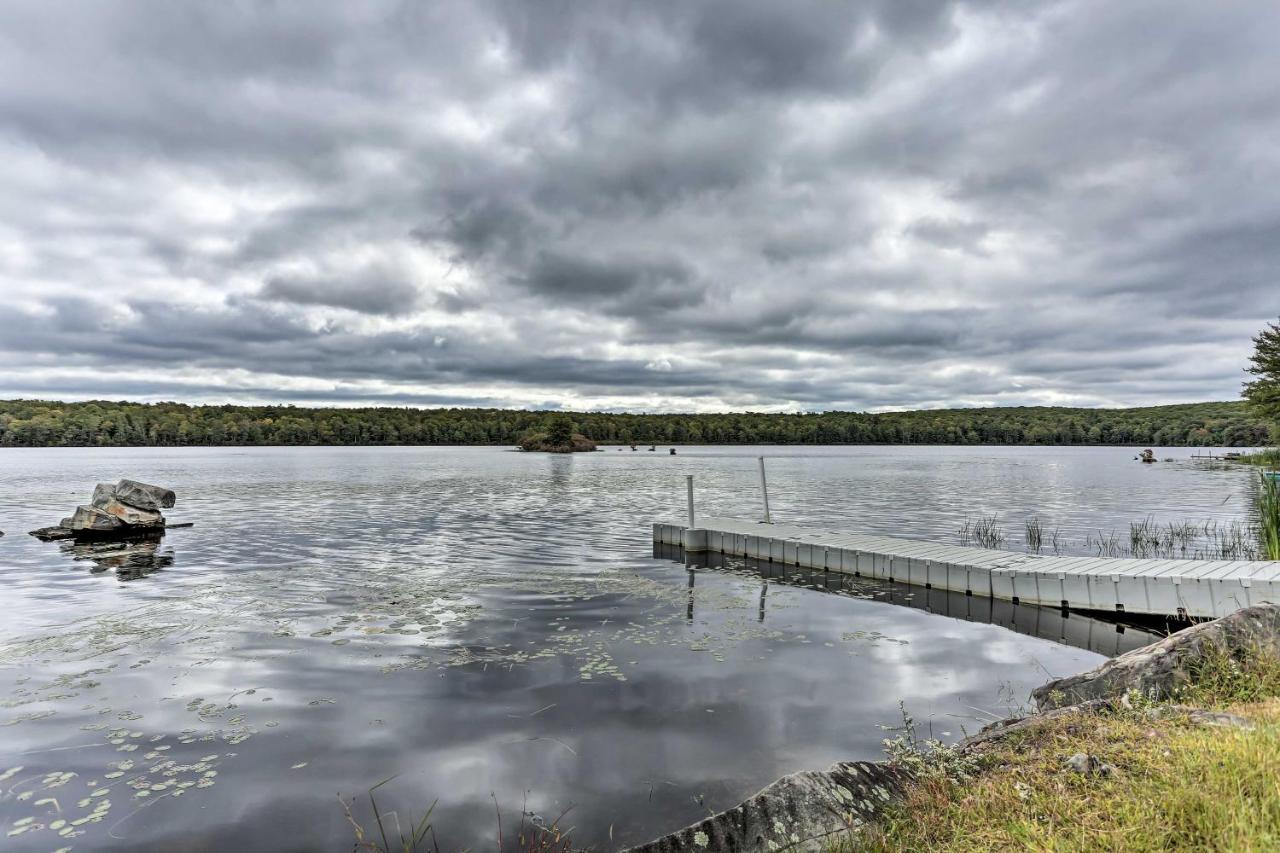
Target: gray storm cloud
650	206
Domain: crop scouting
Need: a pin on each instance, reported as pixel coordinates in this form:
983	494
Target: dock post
689	480
764	492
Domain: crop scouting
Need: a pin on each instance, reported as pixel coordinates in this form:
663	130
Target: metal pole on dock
764	491
689	479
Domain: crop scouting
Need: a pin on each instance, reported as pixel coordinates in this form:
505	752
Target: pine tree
1263	393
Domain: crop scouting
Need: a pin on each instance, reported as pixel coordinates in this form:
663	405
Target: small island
559	437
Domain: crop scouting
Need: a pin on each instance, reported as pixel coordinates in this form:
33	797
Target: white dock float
1187	588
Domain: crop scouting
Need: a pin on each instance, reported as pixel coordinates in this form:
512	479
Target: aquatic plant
418	831
533	835
1107	545
985	532
1035	534
1055	540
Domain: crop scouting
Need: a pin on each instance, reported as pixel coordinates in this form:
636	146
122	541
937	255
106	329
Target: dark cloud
654	205
366	292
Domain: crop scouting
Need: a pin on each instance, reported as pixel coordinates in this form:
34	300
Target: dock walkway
1188	588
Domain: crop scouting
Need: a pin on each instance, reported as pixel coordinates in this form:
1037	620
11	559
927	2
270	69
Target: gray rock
1161	669
143	495
1201	716
93	519
102	494
51	534
132	516
1088	765
805	811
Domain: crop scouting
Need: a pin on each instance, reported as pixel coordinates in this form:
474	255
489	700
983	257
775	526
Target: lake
495	629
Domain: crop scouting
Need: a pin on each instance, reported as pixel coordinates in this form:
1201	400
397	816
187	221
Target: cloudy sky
638	205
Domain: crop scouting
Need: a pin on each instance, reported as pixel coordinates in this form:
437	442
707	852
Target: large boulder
92	519
1161	669
115	511
131	515
143	495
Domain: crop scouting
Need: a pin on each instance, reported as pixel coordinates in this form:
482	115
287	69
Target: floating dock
1182	588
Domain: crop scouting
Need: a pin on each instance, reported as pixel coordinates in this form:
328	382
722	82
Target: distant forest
35	423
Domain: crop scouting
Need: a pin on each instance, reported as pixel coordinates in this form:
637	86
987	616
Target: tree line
39	423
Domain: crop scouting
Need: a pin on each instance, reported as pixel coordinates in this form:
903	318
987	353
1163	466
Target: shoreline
896	804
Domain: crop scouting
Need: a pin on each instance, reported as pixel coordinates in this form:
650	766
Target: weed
1223	677
929	758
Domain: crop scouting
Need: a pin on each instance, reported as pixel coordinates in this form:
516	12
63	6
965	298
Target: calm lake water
485	625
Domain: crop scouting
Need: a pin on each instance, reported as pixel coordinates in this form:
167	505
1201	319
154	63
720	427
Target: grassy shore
1269	458
1158	777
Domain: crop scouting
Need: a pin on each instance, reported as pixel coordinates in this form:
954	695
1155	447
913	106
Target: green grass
1173	784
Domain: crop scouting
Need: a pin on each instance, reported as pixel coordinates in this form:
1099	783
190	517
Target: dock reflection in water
1082	631
131	559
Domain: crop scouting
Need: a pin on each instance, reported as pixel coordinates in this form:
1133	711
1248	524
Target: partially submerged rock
1160	670
52	534
125	509
144	496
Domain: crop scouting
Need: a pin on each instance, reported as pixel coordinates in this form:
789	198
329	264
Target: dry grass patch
1163	784
1155	778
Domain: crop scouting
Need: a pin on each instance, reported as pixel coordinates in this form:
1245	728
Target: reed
1035	534
1269	457
1269	517
985	532
532	835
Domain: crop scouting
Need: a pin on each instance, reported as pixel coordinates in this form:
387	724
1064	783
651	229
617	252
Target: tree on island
1263	393
560	431
558	437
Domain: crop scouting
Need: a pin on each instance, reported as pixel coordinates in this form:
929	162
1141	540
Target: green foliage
37	423
1263	393
560	431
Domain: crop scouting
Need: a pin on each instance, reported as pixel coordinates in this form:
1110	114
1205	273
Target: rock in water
131	515
94	519
52	534
102	493
126	509
143	496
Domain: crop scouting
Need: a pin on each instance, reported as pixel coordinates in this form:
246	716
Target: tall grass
1269	517
1269	457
